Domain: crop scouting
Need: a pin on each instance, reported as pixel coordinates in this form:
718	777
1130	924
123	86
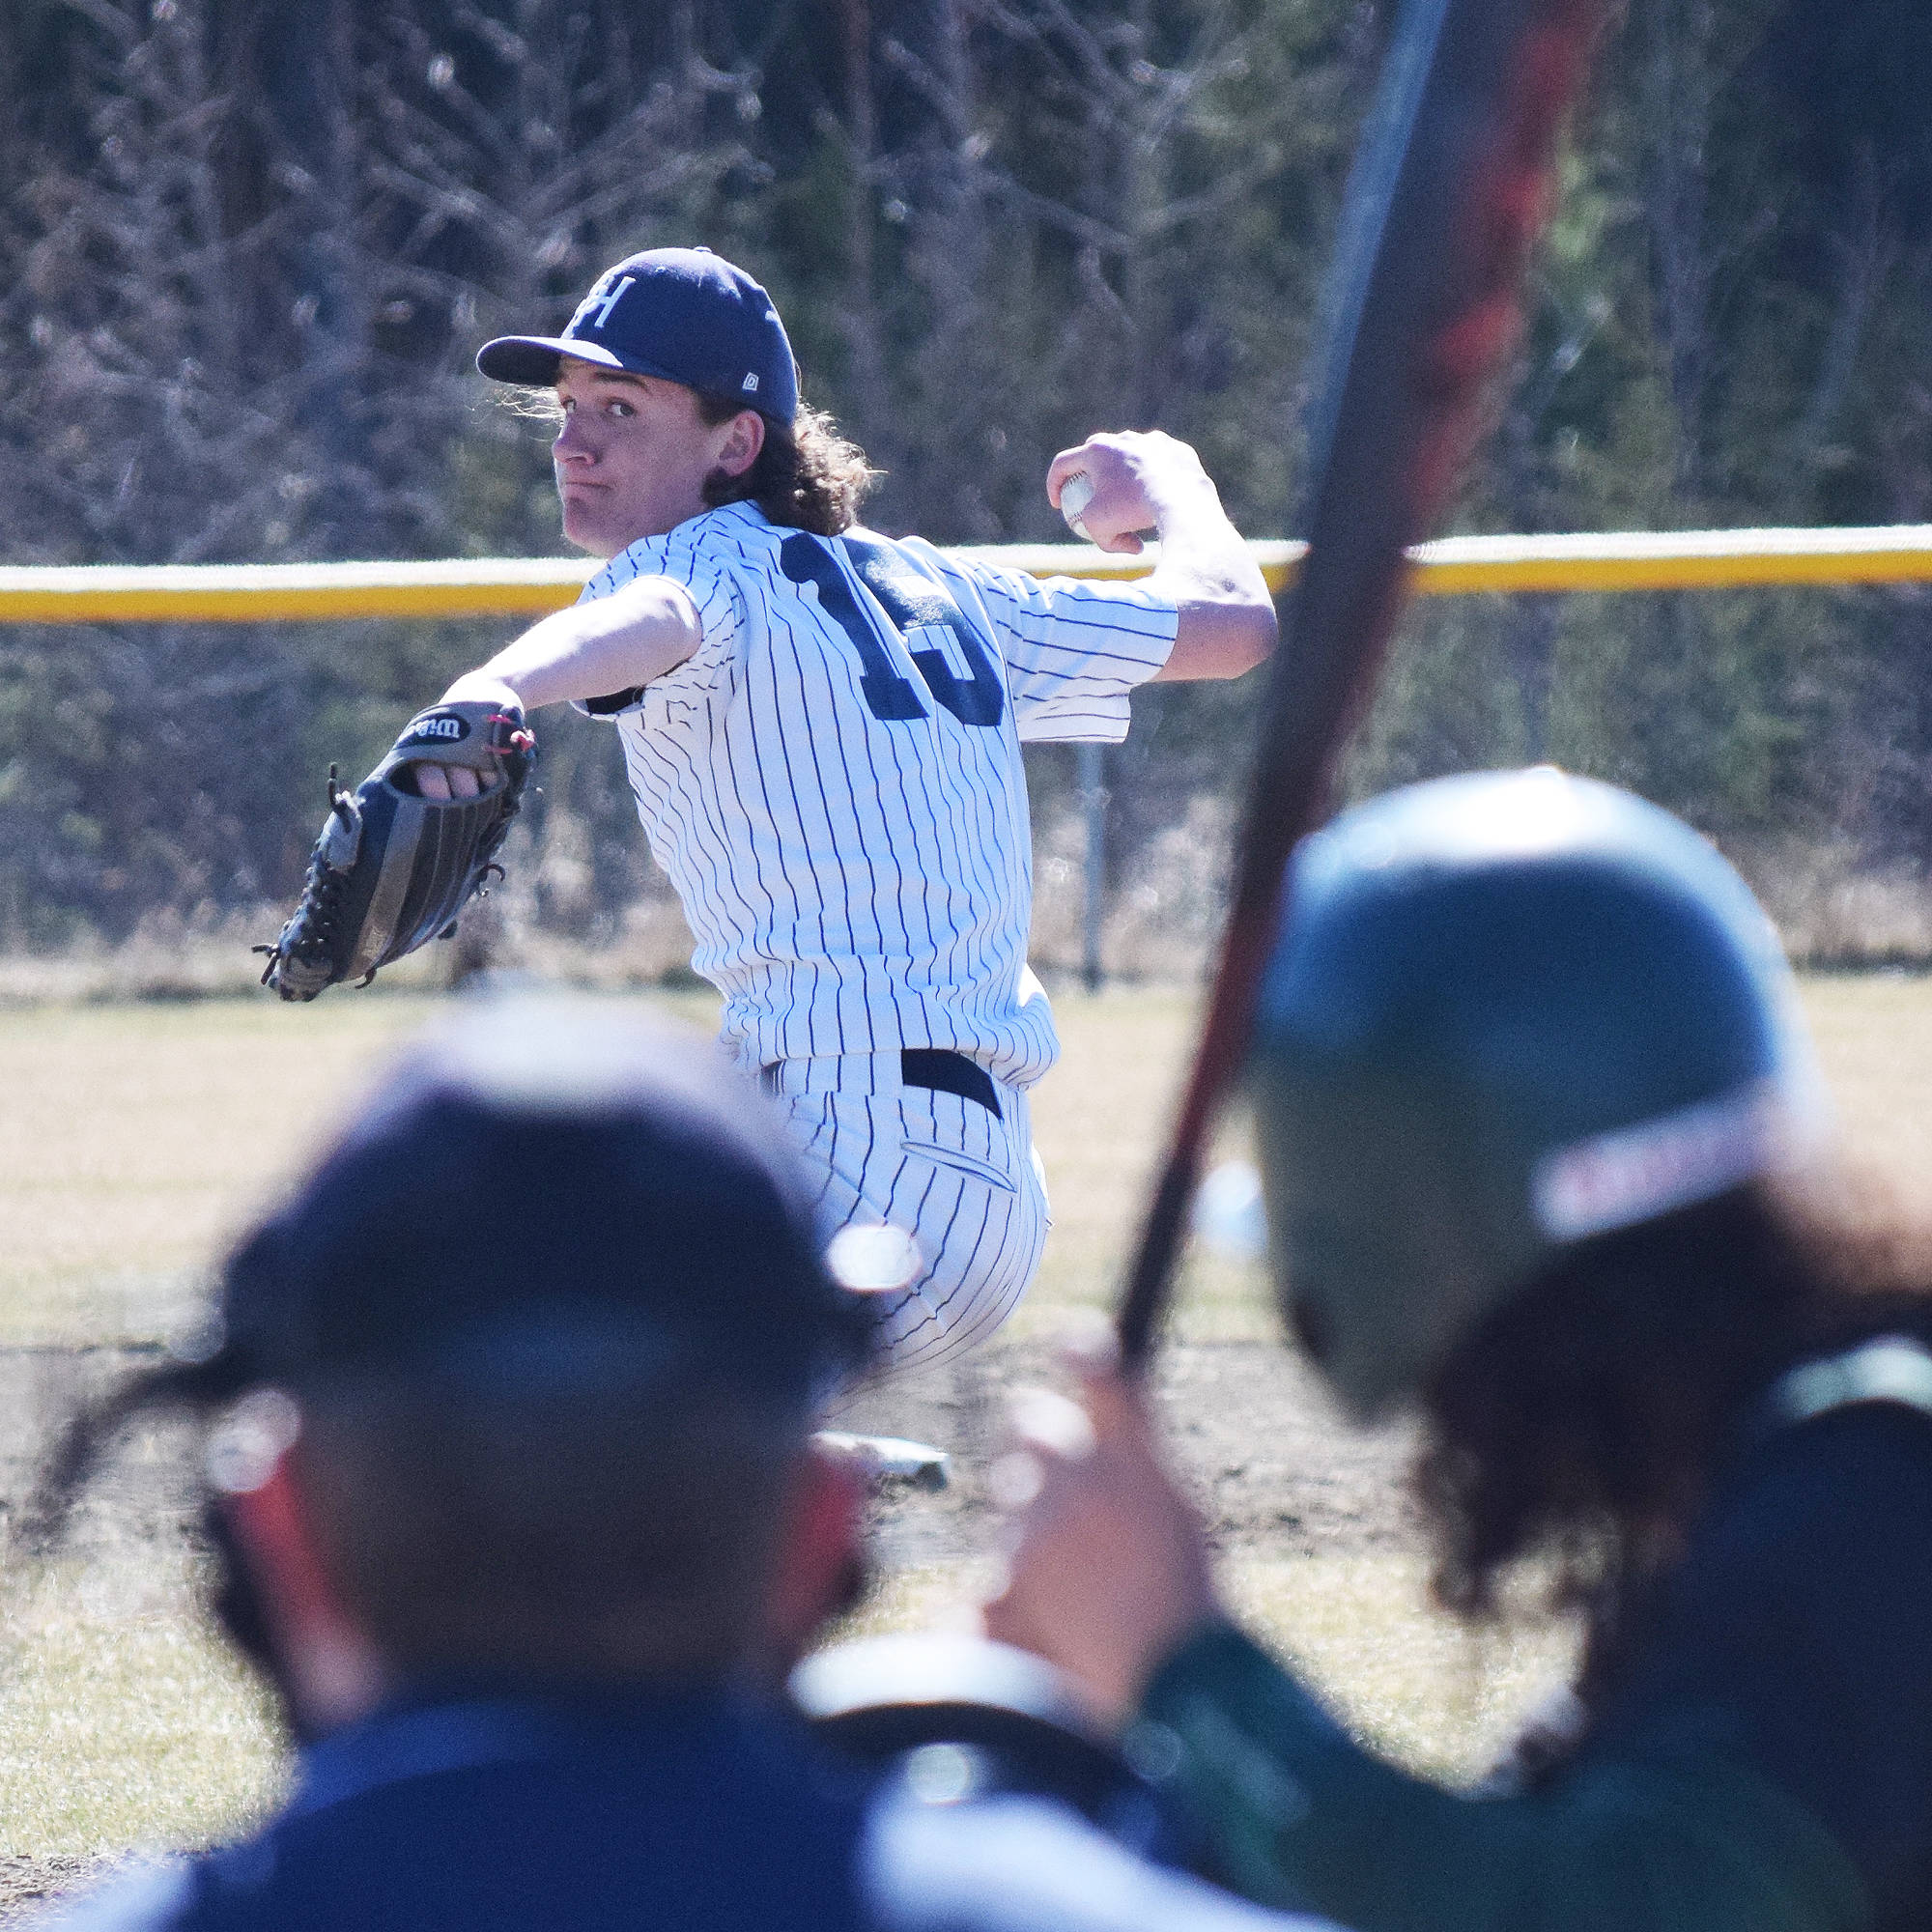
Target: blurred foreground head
528	1359
1512	1014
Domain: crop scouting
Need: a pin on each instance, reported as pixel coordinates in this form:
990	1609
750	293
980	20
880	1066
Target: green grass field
138	1139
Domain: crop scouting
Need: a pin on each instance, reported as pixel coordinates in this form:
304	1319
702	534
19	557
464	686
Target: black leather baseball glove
392	869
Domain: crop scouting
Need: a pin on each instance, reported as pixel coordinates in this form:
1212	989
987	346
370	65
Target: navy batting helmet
1509	1012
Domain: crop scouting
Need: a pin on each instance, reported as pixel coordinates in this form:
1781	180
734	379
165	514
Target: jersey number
911	602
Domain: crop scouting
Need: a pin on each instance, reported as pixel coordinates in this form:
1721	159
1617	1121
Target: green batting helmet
1508	1011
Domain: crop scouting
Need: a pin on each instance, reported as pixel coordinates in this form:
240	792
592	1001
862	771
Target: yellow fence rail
1454	566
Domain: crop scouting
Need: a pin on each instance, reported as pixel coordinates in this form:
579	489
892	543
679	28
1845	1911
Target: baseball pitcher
822	726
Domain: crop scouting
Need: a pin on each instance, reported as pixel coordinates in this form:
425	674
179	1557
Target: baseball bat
1422	309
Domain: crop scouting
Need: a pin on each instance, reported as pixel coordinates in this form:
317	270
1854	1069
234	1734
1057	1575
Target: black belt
945	1071
936	1067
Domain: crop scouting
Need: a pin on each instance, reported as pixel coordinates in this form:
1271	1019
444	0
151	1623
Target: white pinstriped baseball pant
964	1183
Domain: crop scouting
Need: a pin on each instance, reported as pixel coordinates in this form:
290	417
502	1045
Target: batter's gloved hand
393	868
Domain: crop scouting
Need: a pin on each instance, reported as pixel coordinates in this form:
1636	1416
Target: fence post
1092	771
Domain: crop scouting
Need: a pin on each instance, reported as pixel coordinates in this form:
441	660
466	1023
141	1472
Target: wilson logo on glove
443	726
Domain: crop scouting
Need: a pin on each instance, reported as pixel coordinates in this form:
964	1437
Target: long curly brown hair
1581	1424
807	478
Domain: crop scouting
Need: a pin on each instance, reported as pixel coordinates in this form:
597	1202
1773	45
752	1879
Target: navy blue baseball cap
684	314
542	1166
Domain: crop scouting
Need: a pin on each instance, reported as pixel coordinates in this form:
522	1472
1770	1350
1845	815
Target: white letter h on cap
585	318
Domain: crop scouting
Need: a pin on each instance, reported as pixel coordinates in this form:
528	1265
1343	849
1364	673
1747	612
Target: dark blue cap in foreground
684	314
540	1163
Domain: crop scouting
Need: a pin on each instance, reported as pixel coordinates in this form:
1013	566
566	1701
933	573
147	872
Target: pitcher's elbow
1254	638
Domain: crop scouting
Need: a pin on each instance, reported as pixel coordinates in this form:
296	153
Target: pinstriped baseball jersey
833	781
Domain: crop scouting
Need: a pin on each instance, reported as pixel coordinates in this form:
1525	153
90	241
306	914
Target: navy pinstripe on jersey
833	781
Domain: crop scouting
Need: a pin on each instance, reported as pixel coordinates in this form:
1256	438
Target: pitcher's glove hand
393	869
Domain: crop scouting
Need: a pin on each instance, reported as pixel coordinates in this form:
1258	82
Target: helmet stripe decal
1617	1180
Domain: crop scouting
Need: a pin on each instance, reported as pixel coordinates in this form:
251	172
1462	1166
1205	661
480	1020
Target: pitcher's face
633	453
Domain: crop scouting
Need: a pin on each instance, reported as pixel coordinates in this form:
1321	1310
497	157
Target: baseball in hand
1075	493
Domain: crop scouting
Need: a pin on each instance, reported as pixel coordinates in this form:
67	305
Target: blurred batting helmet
1509	1012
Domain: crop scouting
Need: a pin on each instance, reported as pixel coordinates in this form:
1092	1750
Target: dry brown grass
1100	1120
138	1139
1874	1032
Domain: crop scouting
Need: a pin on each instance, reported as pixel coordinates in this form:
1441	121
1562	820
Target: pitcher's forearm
590	650
1227	615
